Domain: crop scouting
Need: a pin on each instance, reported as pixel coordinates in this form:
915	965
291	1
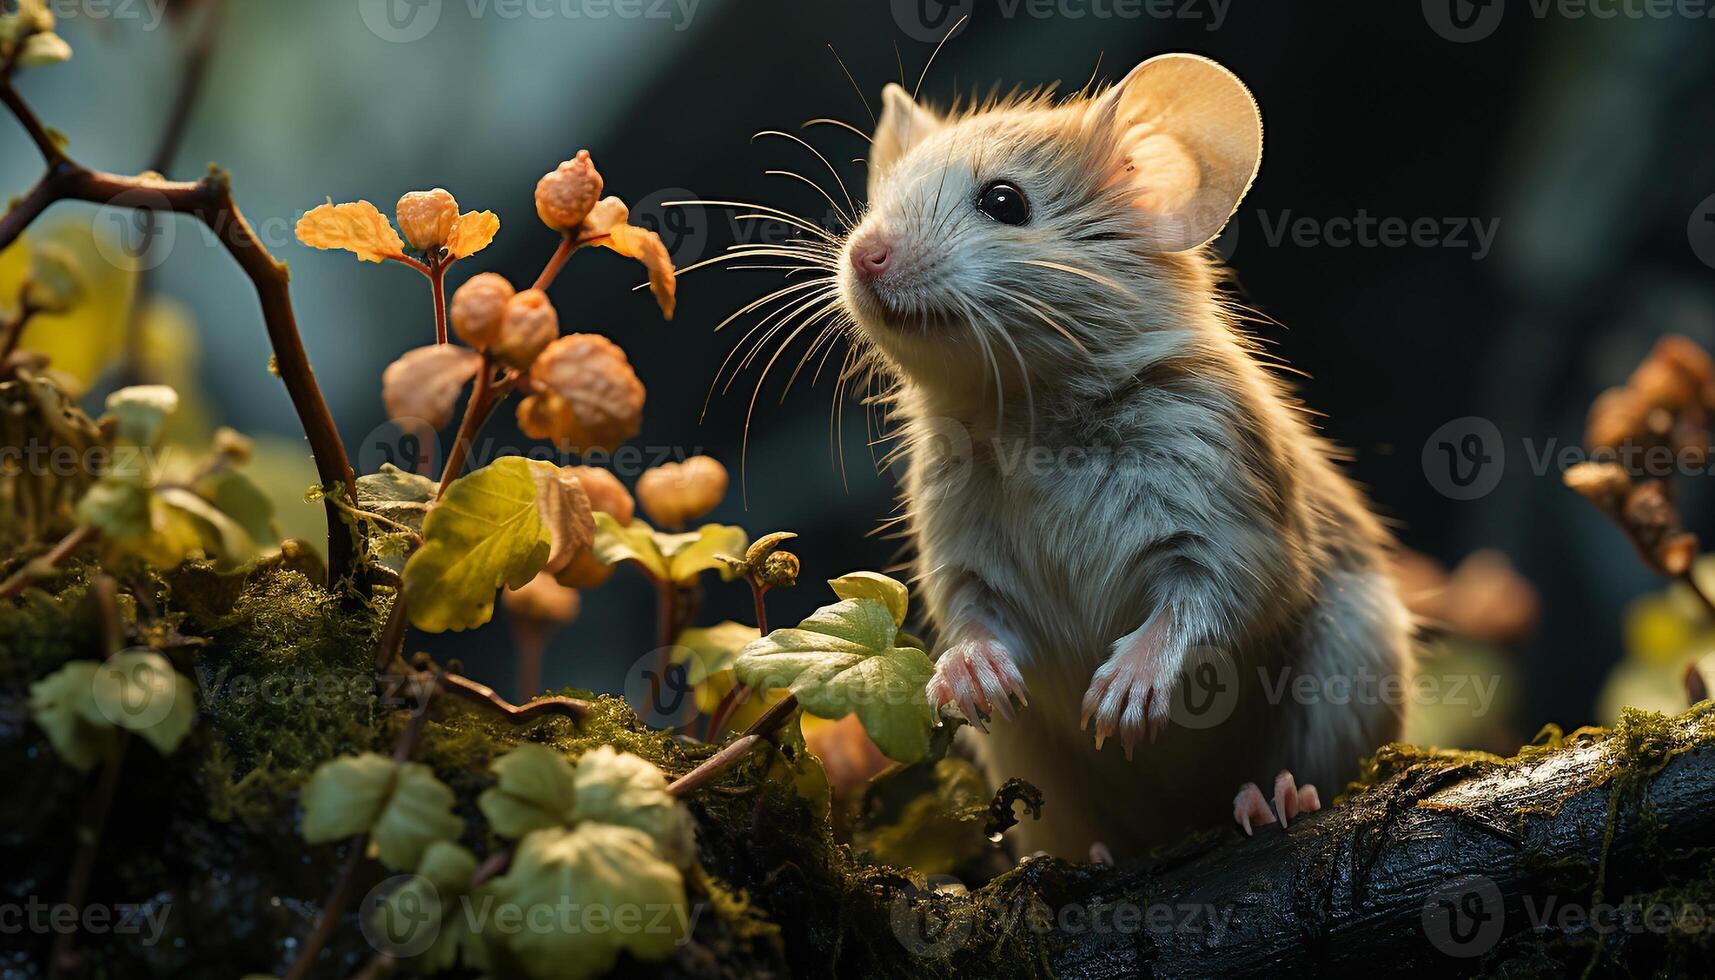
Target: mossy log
1586	853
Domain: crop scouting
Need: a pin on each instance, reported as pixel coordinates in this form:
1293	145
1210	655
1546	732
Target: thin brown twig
45	564
210	201
485	697
714	765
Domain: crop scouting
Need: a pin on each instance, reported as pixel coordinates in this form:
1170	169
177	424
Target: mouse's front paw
979	676
1130	694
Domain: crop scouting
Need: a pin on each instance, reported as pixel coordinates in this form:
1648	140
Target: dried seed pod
565	196
607	495
1606	485
779	570
1618	418
586	396
674	494
426	218
1686	355
479	307
527	326
1663	384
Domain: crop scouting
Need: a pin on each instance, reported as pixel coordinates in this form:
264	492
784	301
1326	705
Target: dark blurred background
1560	166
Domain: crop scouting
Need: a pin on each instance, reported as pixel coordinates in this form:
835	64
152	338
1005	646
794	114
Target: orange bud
478	308
543	600
528	325
565	196
426	218
586	395
674	494
607	495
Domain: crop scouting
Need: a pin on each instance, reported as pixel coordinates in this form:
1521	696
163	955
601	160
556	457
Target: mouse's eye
1004	203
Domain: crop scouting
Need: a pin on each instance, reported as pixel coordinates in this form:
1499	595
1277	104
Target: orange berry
478	308
544	600
564	196
529	324
586	395
674	494
426	218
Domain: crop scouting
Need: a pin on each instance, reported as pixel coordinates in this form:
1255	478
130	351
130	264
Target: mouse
1156	594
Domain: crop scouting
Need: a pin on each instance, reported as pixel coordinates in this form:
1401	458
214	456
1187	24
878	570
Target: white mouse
1121	516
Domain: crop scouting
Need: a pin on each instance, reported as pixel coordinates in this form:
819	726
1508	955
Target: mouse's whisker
785	293
782	323
1031	306
845	219
831	305
851	208
1073	270
796	221
826	121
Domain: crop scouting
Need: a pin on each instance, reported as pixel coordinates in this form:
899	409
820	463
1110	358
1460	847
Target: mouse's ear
903	125
1188	140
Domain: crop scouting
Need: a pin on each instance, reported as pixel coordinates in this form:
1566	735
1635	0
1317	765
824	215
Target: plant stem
531	639
718	763
485	697
44	564
210	201
551	271
438	285
735	698
483	401
346	883
97	807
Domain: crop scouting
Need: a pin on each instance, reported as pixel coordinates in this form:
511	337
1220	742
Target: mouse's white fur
1099	459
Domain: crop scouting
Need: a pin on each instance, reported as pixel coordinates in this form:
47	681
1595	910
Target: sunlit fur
1184	487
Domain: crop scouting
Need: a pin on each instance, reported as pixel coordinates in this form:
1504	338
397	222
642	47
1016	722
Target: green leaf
402	806
535	791
843	660
709	650
425	911
118	508
141	410
628	791
139	690
677	558
401	497
223	538
238	497
874	585
418	813
487	531
63	703
592	867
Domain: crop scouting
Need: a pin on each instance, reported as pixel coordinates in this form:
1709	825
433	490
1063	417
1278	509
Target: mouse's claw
1128	695
979	677
1252	810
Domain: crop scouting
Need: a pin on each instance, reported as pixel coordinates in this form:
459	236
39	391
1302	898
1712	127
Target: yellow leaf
358	228
472	232
84	341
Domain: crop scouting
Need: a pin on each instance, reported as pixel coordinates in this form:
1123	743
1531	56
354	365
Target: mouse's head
1038	235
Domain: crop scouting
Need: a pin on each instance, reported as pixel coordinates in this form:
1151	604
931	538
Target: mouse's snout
871	257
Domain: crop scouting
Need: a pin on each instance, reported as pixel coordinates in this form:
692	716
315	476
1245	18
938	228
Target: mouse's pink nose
872	258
